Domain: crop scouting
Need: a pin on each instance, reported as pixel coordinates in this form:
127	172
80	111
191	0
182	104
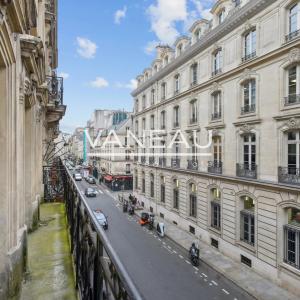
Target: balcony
193	120
192	164
215	167
176	92
55	90
247	109
246	170
151	160
216	72
248	56
289	175
216	116
291	100
162	161
194	82
175	162
292	35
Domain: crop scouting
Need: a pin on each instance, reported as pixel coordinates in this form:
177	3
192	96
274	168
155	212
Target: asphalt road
160	268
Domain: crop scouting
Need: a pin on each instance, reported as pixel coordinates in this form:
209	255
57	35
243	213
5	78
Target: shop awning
108	178
123	177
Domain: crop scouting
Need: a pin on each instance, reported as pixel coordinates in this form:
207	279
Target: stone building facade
30	109
233	85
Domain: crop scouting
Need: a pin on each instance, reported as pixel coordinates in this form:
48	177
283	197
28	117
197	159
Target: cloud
202	11
99	83
86	48
150	47
163	17
120	14
64	75
132	85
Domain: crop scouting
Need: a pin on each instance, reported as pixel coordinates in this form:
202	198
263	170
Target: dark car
101	218
89	192
91	180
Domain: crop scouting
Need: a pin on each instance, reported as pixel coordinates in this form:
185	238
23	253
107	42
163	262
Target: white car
101	218
77	177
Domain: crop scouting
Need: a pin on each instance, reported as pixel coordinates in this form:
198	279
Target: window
197	35
136	181
166	60
144	123
176	194
143	183
163	91
176	116
217	62
152	122
193	200
162	189
250	45
193	111
294	21
152	96
146	76
247	220
176	83
136	128
151	185
163	120
137	105
221	16
216	106
293	85
217	148
127	170
215	209
249	151
249	95
179	50
292	238
144	101
194	74
293	152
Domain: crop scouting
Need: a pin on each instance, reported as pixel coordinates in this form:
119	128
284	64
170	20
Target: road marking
155	235
196	272
100	192
204	275
159	239
181	256
187	262
225	292
205	279
210	284
169	247
196	268
214	283
107	191
200	275
164	243
174	252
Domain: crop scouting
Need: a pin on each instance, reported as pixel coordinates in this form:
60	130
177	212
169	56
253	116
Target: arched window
163	189
197	34
216	106
137	105
221	16
179	49
292	237
217	62
247	220
151	185
215	220
249	97
143	183
193	200
176	194
293	85
215	166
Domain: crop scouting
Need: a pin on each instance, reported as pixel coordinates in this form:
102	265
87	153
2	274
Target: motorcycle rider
194	254
151	221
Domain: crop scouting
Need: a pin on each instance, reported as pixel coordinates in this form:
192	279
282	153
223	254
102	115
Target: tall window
249	93
179	50
193	111
292	238
217	148
136	128
136	181
163	119
216	106
217	62
250	44
152	96
293	152
152	122
151	185
143	183
144	123
144	101
166	60
193	200
250	151
294	18
194	73
176	116
247	220
176	194
177	83
221	16
215	209
163	91
293	88
197	34
162	189
137	105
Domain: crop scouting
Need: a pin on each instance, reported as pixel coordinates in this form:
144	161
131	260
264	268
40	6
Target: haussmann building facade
236	77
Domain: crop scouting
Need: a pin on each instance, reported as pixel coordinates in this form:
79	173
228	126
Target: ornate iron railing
216	72
192	164
246	170
55	90
175	162
215	166
289	175
99	273
291	100
292	35
247	109
249	56
216	115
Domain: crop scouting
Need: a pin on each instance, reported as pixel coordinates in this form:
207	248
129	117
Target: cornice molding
231	22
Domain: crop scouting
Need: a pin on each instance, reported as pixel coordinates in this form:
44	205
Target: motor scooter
151	222
125	206
131	210
194	255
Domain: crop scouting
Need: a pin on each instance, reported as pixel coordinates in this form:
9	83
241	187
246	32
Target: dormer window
146	76
179	49
166	60
197	34
221	16
155	68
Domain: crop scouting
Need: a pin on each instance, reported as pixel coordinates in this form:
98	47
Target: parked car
78	168
91	180
101	218
77	177
90	192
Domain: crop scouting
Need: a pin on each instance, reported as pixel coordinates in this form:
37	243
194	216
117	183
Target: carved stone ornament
246	129
215	132
215	87
292	124
248	25
247	74
216	47
294	55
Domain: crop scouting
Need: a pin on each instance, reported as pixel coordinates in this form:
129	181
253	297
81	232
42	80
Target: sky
104	44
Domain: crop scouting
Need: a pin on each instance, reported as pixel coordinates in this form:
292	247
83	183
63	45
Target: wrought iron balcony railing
55	89
292	100
249	56
292	35
215	166
192	164
289	175
175	162
247	109
246	170
216	116
216	72
162	161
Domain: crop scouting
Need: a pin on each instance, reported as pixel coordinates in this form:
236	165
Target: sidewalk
245	278
50	272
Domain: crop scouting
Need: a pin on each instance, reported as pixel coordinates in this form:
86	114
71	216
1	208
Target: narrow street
160	268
